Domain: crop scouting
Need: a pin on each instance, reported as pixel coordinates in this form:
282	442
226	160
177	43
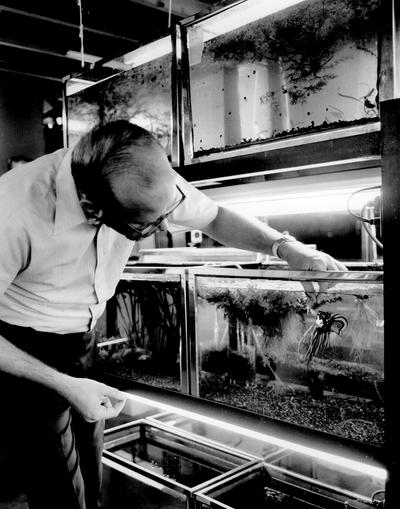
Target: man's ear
92	211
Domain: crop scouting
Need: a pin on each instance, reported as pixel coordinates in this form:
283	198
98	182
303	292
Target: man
68	222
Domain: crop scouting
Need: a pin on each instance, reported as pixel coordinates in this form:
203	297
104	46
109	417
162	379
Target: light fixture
340	461
300	195
240	15
75	85
148	53
92	59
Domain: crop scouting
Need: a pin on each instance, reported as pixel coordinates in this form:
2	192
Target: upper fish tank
300	347
263	70
134	87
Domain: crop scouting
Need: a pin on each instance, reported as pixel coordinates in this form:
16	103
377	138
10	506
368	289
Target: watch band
277	244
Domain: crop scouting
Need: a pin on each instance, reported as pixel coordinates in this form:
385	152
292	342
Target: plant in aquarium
304	41
247	311
364	323
148	316
142	95
290	356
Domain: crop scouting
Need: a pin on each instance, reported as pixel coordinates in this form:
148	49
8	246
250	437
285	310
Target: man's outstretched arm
235	230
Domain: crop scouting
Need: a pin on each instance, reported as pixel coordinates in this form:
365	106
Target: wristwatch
278	243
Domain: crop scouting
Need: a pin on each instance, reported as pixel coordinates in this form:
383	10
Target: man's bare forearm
242	232
16	362
238	231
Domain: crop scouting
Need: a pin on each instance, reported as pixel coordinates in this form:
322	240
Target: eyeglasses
134	232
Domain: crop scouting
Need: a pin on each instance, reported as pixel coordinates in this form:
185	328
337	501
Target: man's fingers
119	405
106	402
113	402
107	412
114	393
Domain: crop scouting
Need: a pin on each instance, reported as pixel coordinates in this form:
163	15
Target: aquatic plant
365	322
250	310
149	315
303	41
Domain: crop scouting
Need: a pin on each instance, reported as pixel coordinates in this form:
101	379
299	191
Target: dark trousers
55	453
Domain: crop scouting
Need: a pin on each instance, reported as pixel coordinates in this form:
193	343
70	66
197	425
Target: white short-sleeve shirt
56	270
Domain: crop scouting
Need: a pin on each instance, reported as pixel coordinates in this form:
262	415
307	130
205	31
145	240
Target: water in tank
294	351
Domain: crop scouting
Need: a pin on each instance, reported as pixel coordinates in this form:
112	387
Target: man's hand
301	257
93	400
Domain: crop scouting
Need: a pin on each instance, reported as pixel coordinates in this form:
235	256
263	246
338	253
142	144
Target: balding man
68	222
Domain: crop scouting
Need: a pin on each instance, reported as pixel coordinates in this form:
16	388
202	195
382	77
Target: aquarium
259	72
134	87
142	339
300	347
144	456
272	487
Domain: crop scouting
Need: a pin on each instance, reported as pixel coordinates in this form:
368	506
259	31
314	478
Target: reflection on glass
140	94
168	455
311	359
144	325
271	488
330	474
237	441
124	492
304	68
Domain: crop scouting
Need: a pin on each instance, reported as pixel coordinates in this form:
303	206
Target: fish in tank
270	347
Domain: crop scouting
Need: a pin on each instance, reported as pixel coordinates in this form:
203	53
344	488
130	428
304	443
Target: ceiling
41	38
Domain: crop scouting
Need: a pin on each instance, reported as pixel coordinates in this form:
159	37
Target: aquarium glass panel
297	352
142	337
330	474
134	87
271	488
223	436
168	455
124	491
308	67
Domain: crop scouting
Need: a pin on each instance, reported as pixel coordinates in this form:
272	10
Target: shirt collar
69	212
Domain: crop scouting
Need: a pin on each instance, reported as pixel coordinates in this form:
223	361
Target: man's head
124	173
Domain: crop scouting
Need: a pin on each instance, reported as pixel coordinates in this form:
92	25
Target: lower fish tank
301	347
149	466
271	488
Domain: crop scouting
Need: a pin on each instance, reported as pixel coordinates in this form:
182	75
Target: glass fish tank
260	71
142	338
304	348
145	457
134	87
272	487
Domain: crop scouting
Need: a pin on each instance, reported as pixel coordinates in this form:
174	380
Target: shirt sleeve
195	212
14	249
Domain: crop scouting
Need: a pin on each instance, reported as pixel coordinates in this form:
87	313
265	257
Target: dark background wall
24	105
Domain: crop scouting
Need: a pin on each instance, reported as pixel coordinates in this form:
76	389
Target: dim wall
21	128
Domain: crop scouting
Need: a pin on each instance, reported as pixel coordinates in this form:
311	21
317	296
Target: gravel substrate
358	420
